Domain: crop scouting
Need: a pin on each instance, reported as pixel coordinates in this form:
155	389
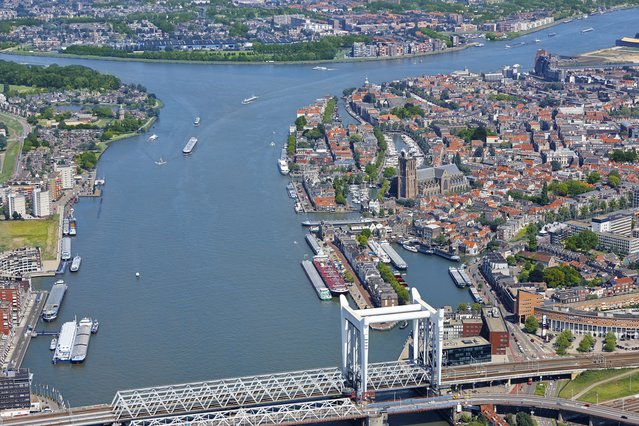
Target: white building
41	203
17	203
66	176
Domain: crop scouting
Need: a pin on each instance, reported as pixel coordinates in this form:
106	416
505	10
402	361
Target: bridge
339	393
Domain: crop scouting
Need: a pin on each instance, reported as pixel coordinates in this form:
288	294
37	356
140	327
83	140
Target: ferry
249	100
54	300
95	326
197	121
153	137
282	164
160	162
189	145
53	344
75	265
65	342
587	30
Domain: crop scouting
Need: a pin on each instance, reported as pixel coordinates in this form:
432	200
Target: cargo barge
54	300
66	248
446	254
379	252
320	288
314	244
457	278
330	276
65	226
395	258
81	342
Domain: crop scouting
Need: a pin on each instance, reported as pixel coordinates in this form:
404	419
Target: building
15	392
635	198
20	262
407	179
560	318
471	327
41	203
17	204
495	331
466	350
526	303
433	181
618	223
6	325
66	176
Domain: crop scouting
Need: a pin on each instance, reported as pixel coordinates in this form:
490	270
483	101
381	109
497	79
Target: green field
586	379
13	148
24	90
30	233
624	386
540	389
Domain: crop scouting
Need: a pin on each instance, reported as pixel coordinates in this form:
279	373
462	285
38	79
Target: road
23	331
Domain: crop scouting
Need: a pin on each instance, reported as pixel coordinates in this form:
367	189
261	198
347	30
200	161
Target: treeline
325	49
56	77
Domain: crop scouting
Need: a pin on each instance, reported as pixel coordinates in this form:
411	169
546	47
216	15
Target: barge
395	258
330	276
54	300
320	288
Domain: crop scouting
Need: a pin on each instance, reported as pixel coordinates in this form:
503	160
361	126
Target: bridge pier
590	422
560	417
380	419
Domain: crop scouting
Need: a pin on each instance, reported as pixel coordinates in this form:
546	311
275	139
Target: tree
476	307
532	242
300	122
610	342
593	178
16	216
524	419
511	260
554	277
543	198
586	343
614	181
389	172
531	325
369	98
584	241
479	152
493	245
348	277
462	307
556	166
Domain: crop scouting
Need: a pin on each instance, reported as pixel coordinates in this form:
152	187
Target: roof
463	342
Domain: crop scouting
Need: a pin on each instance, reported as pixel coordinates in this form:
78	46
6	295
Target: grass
30	233
13	148
540	389
614	389
588	378
15	127
24	90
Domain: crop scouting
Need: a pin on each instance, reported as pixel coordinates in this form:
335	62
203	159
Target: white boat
53	344
189	145
65	342
409	247
587	30
160	162
94	326
480	44
537	40
320	68
282	164
75	265
508	46
272	143
153	137
249	100
197	121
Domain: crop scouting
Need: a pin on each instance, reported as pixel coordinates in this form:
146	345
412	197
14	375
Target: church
433	181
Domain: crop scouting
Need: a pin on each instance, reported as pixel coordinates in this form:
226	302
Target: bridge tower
427	332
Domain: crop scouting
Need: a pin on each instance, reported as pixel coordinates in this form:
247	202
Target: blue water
214	235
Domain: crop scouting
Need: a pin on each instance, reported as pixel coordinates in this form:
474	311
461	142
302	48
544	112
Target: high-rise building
66	176
407	180
635	198
15	392
41	203
17	203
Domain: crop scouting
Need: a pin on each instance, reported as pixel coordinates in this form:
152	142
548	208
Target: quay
395	258
341	222
23	333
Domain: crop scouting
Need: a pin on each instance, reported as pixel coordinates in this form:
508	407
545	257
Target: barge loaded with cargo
320	288
73	341
395	258
314	244
54	300
330	276
460	280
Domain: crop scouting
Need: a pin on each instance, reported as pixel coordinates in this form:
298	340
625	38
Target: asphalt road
23	331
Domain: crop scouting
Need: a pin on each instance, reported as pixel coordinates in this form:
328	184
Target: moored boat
282	165
81	341
330	276
53	344
94	326
54	300
75	265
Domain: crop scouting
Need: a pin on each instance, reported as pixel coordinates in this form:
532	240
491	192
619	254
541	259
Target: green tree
556	166
614	181
586	343
476	307
531	325
462	307
369	98
348	277
610	342
389	172
543	198
300	122
593	177
524	419
554	277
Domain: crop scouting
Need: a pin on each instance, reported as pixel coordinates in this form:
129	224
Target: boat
282	165
160	162
54	300
53	344
320	288
395	258
480	45
587	30
426	249
65	226
189	145
446	254
81	341
330	276
72	230
552	34
66	248
75	265
409	247
379	252
508	46
537	40
95	326
66	342
249	100
457	279
298	208
403	325
197	121
137	275
320	68
153	137
272	143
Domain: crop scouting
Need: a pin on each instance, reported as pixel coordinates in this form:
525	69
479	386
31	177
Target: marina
75	265
320	288
395	258
54	300
188	148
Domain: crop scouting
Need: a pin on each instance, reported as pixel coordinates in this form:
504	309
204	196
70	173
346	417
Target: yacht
282	164
249	100
53	344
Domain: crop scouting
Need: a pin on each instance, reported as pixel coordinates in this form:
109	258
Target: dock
395	258
341	222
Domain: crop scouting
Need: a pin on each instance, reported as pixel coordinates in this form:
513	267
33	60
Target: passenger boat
75	265
409	247
282	165
188	148
587	30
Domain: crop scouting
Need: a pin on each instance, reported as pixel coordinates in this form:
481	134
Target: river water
214	235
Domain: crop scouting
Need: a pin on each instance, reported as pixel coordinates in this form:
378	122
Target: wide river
214	235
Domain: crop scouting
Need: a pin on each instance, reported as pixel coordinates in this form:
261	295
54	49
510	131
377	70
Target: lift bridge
301	396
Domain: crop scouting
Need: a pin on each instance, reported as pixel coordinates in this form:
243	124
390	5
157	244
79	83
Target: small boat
537	40
552	34
160	162
272	143
53	344
587	30
409	247
249	100
95	326
137	275
480	45
508	46
153	137
75	265
320	68
403	325
197	121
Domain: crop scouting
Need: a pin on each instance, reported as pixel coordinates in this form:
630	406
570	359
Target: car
586	405
532	340
624	417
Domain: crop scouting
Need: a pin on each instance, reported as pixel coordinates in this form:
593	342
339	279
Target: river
214	235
